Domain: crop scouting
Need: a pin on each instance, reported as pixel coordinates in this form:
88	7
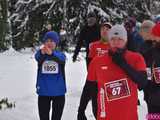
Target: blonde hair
145	29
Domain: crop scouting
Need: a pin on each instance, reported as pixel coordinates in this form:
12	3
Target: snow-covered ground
17	82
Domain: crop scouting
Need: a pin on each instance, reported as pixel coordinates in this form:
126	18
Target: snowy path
17	82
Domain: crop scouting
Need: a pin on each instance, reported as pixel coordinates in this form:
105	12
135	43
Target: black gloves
118	57
74	58
139	77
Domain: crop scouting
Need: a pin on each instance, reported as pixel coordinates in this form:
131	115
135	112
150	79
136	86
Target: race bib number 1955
50	67
117	89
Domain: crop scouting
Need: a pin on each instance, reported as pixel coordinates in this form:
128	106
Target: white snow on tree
31	16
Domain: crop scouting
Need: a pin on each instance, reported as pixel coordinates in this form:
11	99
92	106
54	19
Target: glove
74	58
118	57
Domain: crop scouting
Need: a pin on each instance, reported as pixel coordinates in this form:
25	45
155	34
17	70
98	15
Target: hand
48	51
118	57
74	58
43	50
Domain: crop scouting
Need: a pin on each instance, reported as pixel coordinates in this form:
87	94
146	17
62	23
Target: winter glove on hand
118	57
74	58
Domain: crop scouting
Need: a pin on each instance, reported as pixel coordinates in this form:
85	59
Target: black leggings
89	93
44	105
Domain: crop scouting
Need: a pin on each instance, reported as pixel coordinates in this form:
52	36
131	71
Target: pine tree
29	17
3	25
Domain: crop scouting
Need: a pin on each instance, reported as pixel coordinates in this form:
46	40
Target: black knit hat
105	22
91	14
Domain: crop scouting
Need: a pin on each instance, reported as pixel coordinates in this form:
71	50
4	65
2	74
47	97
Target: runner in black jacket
151	53
88	34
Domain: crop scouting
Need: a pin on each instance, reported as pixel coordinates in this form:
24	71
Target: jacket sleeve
79	44
138	77
58	57
39	57
136	73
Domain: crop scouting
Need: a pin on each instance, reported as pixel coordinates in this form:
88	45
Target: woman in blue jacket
51	87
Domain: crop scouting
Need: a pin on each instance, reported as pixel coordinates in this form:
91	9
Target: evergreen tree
3	25
29	17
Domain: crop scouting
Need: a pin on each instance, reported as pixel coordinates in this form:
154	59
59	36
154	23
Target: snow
24	22
51	7
63	32
101	12
72	20
18	79
23	2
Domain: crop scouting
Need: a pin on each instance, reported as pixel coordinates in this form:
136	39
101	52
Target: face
117	42
146	33
49	27
104	32
91	21
50	44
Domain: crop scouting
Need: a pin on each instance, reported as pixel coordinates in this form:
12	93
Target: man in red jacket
90	88
118	74
101	46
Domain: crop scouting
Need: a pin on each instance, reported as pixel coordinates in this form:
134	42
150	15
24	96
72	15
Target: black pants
153	109
88	60
89	93
44	105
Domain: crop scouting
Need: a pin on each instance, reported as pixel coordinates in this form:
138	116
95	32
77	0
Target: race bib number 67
50	67
117	89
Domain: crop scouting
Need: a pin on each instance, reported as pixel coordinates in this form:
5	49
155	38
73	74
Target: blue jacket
51	74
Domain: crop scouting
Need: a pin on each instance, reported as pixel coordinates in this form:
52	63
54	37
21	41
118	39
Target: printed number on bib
156	72
117	89
50	67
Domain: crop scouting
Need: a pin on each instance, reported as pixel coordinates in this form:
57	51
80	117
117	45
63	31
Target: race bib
157	74
117	89
149	74
50	67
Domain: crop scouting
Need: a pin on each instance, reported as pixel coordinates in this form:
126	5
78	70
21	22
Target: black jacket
87	35
134	41
151	55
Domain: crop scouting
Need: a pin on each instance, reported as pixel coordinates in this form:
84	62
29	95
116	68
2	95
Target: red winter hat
156	30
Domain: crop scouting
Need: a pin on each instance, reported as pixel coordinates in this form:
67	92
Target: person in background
46	29
129	25
88	34
138	37
51	85
134	38
63	45
151	53
101	46
145	32
98	48
157	19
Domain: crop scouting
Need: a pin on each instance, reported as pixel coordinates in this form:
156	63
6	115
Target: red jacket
117	93
98	48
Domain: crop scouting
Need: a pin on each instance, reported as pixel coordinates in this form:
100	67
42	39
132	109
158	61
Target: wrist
42	52
123	65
